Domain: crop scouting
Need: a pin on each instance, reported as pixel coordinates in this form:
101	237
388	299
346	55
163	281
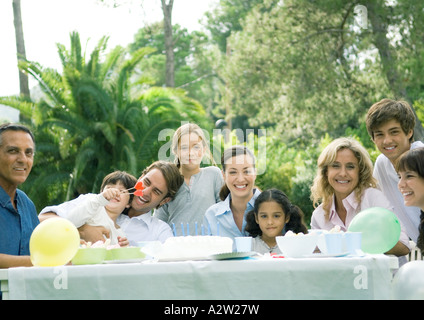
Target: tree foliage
89	123
309	70
292	63
194	61
306	71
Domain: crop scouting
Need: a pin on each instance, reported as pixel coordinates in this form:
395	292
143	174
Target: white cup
243	244
353	242
150	248
334	243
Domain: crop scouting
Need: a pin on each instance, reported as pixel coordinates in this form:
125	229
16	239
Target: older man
18	216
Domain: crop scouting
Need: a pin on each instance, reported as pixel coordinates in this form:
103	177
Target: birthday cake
193	247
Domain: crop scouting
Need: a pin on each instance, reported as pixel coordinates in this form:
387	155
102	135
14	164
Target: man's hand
47	215
93	233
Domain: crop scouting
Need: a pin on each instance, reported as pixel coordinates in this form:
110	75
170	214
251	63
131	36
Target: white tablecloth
366	277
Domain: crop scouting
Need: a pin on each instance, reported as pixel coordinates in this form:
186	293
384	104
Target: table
367	277
4	285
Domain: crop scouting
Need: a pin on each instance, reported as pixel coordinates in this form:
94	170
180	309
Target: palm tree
20	45
89	123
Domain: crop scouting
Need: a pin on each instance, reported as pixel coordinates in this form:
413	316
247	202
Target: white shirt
92	211
144	227
388	180
62	209
140	228
258	245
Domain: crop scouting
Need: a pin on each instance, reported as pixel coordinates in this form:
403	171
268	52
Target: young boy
390	124
103	209
161	181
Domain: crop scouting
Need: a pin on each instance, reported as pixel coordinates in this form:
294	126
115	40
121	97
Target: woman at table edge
410	168
345	186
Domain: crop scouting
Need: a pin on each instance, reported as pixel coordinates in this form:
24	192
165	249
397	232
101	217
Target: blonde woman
201	186
344	186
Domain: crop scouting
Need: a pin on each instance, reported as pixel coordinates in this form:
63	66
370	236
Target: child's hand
123	241
111	193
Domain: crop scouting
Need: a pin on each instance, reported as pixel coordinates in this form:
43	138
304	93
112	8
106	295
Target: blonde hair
187	129
322	191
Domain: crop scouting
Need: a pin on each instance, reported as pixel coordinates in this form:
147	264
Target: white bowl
297	246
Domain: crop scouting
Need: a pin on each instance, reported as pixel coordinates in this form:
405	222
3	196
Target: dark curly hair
291	211
420	240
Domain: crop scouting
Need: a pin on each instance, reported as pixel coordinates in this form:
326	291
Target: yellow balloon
54	242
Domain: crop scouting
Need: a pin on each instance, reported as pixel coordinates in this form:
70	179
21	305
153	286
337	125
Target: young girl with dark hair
273	215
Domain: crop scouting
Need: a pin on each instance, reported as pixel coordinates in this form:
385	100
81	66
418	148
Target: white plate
232	255
161	259
124	261
322	255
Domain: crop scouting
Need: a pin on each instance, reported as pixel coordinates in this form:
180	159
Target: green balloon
380	229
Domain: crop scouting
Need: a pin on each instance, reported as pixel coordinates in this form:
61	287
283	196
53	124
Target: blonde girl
201	185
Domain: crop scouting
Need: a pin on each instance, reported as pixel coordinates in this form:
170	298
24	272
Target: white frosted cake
194	247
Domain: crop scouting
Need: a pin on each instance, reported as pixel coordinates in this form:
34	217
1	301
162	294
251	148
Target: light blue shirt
219	219
144	227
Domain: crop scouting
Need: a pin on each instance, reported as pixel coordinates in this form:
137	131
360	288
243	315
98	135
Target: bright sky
47	22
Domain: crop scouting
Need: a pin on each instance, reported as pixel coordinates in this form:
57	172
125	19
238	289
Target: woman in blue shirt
238	195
